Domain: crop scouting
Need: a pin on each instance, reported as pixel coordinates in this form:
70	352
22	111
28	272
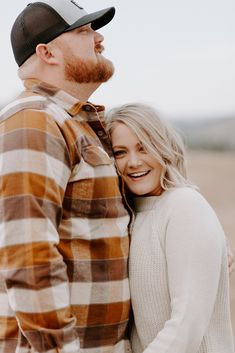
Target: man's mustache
99	48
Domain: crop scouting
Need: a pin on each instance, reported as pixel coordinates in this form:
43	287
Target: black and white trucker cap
40	22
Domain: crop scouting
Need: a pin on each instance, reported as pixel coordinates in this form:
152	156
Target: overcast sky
178	55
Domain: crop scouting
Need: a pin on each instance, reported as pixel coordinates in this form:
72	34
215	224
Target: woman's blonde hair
157	137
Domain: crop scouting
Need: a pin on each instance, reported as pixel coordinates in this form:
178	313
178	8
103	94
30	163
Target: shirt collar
67	102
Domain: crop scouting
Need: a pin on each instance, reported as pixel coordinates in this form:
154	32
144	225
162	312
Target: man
64	241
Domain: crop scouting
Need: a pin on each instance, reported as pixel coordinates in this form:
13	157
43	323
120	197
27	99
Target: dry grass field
214	173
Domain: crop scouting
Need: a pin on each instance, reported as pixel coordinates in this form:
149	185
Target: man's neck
81	91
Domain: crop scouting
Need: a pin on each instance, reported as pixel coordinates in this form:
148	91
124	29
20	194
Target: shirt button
100	133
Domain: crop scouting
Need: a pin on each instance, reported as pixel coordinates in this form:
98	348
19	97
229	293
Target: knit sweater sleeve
194	243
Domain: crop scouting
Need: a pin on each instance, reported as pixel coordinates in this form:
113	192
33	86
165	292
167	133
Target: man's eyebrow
79	29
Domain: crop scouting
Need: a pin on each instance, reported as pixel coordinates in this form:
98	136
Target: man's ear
47	53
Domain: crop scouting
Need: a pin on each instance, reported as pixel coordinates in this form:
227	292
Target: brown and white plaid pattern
63	228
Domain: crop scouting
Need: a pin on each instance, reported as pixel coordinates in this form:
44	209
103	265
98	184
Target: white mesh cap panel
70	10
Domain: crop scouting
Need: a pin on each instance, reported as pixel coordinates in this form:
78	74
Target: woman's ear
47	53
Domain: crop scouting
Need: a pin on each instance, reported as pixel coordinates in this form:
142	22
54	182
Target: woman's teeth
138	174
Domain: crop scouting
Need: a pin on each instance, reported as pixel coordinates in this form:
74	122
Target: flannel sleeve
34	171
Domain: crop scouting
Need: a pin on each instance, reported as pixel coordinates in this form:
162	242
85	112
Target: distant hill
210	134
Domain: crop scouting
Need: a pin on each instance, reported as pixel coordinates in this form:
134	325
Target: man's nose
98	37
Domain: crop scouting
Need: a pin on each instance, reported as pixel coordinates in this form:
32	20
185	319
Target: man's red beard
81	71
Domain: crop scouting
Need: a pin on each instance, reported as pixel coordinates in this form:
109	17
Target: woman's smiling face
140	171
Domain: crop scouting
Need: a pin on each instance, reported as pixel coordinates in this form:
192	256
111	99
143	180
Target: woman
178	260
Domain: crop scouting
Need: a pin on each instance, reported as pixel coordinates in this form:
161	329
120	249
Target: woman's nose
134	161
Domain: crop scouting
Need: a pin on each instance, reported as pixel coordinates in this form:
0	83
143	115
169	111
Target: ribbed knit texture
179	276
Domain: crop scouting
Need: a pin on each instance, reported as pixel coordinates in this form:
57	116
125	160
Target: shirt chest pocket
95	156
94	163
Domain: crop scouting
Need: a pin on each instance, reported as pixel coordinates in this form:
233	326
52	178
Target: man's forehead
80	29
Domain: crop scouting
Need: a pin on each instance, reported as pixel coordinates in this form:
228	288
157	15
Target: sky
177	55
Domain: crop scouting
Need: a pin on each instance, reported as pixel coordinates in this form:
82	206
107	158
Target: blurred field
214	173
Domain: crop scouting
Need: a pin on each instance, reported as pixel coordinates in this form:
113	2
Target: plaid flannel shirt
63	228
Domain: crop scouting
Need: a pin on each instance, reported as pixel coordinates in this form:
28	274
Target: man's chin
104	70
106	65
88	72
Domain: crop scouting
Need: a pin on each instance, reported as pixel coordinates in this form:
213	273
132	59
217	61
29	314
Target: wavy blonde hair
157	137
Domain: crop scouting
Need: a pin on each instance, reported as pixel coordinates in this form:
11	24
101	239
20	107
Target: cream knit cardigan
179	276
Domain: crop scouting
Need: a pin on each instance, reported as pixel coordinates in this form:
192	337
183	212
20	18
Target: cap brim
96	19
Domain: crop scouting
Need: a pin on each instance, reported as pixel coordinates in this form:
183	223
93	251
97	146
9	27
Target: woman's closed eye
119	153
141	149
